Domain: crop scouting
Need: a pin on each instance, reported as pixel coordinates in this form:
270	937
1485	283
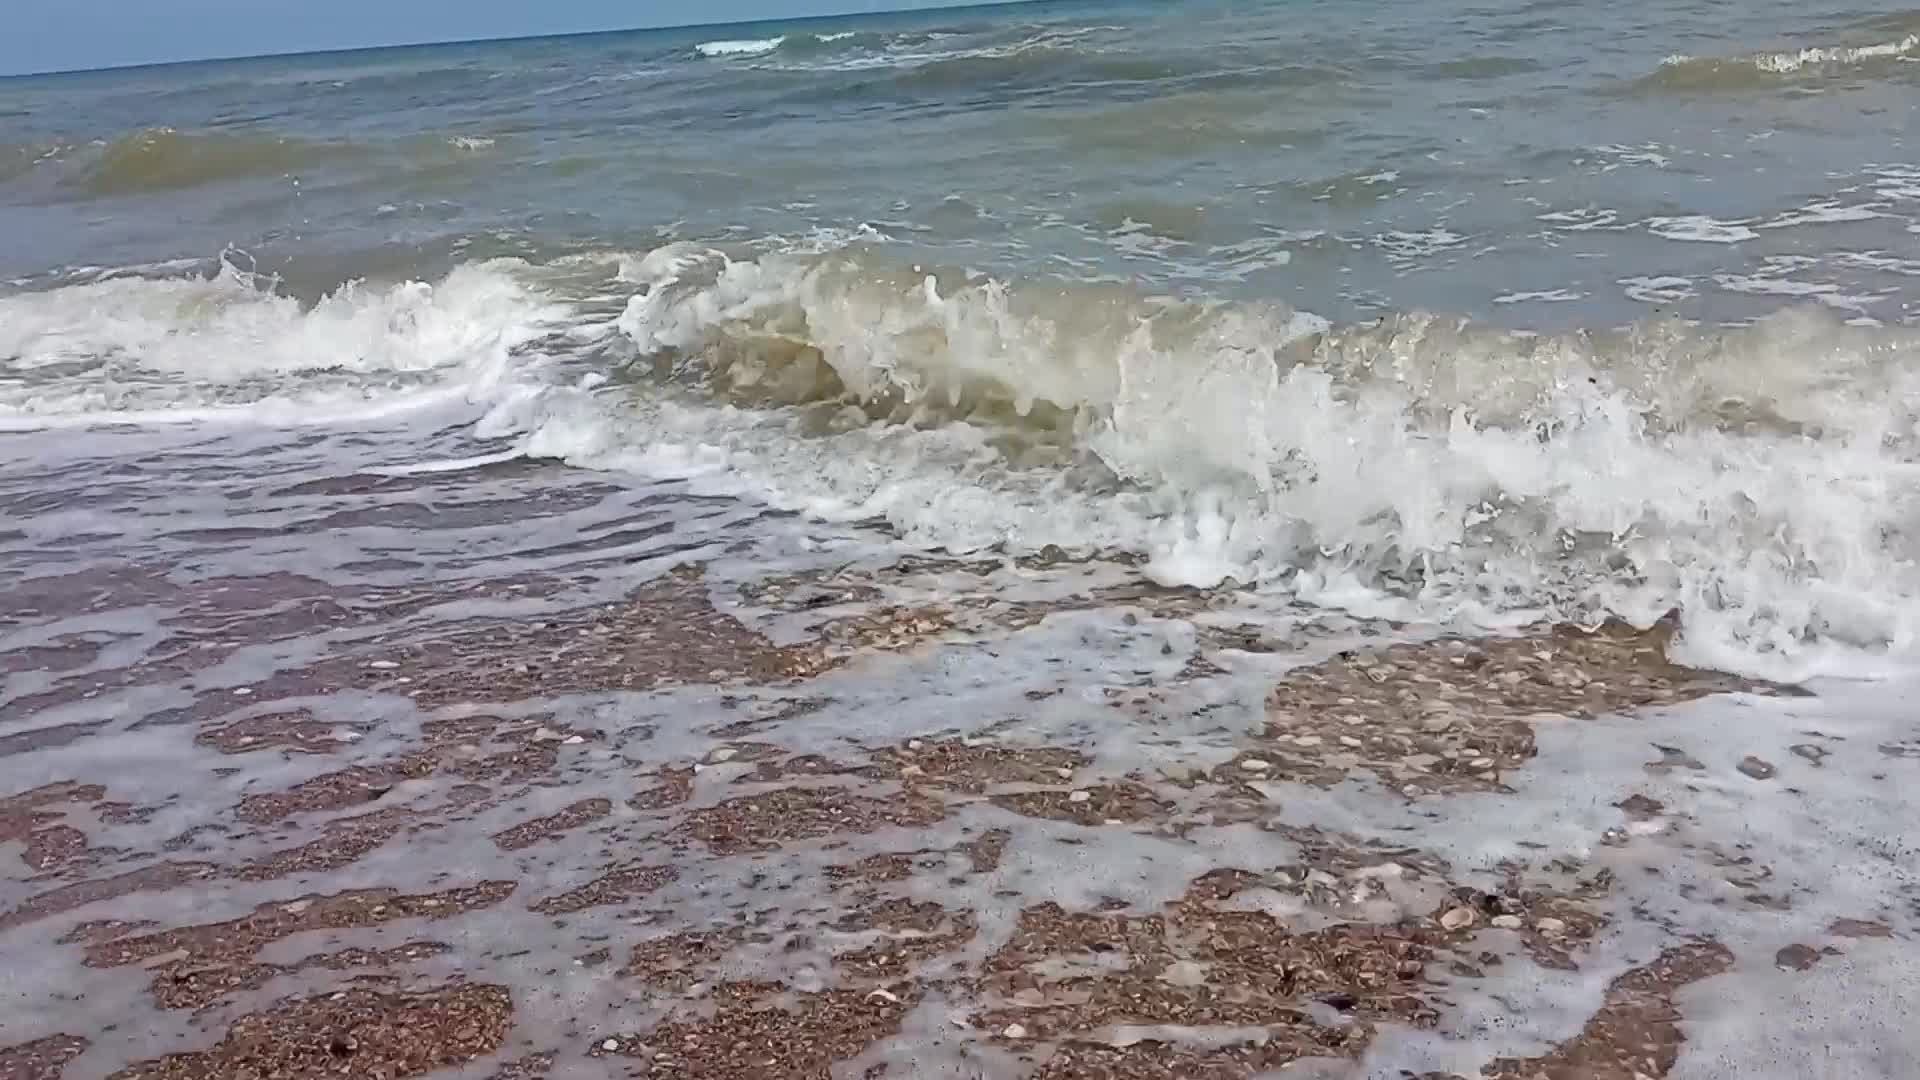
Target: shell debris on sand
782	815
1453	715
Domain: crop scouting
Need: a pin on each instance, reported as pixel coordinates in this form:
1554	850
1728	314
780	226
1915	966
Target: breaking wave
804	43
1763	481
227	344
1708	73
945	60
749	47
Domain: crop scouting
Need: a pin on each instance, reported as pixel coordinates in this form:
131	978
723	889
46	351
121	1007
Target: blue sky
58	35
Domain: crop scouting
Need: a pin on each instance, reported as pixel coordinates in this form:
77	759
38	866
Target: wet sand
653	802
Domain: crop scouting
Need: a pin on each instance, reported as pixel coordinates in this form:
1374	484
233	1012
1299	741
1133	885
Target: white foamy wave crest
137	349
1794	61
739	48
911	52
1762	481
1791	61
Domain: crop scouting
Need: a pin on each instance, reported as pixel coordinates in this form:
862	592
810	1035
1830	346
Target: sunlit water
366	404
1479	312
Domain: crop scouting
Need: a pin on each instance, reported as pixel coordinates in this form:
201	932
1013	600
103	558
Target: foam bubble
1664	289
1545	296
1700	229
1823	212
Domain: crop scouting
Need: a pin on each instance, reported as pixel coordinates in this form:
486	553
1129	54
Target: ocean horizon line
570	35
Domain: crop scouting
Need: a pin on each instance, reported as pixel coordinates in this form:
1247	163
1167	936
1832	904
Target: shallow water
1481	312
690	489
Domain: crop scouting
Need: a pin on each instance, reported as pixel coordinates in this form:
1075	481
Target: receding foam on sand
618	783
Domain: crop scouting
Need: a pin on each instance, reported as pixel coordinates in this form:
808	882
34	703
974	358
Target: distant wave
1038	58
745	47
858	49
802	43
1682	71
159	159
1794	61
163	158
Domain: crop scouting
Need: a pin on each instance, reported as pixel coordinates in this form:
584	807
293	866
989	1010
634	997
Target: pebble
1757	768
1457	919
1640	806
572	740
1063	773
1015	1031
1480	763
1306	740
725	753
1436	721
1550	926
1796	958
1348	740
1079	796
1254	764
383	665
1507	922
610	1045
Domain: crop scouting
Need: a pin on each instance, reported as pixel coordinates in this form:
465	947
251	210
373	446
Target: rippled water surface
1050	540
1255	290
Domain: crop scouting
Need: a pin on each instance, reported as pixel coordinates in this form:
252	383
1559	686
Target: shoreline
908	820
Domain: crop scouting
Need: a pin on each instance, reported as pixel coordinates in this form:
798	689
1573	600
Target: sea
1016	358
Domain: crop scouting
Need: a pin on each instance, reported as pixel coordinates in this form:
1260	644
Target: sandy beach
633	805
